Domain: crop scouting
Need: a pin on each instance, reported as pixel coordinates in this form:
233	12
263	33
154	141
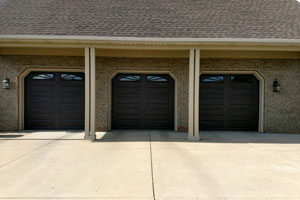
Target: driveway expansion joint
151	161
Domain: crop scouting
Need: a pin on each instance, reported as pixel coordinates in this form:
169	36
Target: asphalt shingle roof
152	18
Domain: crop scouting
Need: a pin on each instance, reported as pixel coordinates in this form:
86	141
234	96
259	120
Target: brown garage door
229	102
143	101
54	100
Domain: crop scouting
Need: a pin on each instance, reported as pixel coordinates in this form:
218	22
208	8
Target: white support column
196	97
87	93
93	92
90	93
191	94
194	71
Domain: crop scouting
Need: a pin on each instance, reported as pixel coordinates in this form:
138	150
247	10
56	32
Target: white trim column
87	93
90	93
194	73
196	97
93	93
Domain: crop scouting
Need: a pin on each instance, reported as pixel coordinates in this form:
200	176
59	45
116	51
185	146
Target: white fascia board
191	41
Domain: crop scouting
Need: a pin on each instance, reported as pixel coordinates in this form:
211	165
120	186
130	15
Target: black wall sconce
6	83
276	86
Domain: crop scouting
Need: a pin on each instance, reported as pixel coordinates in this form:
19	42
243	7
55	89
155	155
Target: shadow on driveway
156	136
206	137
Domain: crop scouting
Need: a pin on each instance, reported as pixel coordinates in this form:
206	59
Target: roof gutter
143	42
147	39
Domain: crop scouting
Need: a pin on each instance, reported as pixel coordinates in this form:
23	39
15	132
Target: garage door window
43	77
129	78
154	78
71	77
212	79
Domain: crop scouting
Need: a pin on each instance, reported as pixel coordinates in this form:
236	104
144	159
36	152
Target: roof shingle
152	18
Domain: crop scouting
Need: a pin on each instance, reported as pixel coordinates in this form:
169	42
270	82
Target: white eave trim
189	41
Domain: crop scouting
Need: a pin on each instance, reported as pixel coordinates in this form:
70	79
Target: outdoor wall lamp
6	83
276	86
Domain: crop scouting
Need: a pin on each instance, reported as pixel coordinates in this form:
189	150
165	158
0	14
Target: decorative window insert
71	77
241	78
156	78
44	76
129	78
212	79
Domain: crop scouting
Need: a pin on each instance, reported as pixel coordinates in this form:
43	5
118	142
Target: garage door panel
70	123
127	117
242	118
212	118
128	100
147	104
68	116
241	101
156	90
241	112
240	125
128	90
211	112
37	99
127	110
74	95
157	95
156	111
211	90
156	117
157	106
43	105
54	103
71	109
156	101
236	108
128	124
42	88
211	124
42	116
157	123
71	89
70	100
42	110
128	95
213	106
42	123
213	101
241	91
41	93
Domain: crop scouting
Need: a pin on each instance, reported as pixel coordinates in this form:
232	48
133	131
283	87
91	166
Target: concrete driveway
149	165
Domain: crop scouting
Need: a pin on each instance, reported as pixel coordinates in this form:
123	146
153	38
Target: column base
90	137
193	138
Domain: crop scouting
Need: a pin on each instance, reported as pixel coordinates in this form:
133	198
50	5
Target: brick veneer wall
282	110
11	67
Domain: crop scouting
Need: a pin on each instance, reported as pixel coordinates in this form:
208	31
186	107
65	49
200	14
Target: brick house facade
281	110
175	65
